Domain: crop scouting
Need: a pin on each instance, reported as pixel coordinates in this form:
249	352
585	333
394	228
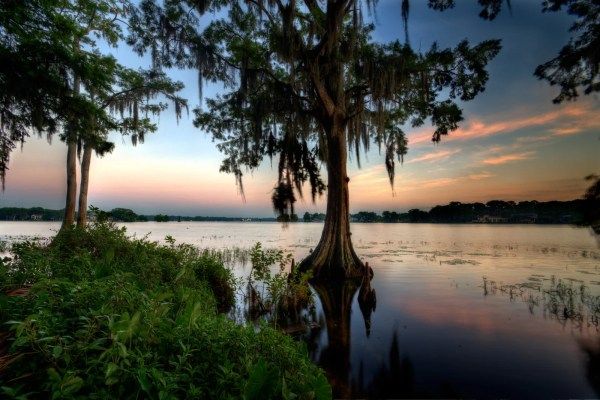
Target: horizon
513	143
300	213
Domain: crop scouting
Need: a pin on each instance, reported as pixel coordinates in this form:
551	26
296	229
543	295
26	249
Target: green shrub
111	317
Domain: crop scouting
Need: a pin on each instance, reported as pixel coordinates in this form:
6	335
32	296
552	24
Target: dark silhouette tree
130	103
590	207
577	65
54	78
39	60
305	82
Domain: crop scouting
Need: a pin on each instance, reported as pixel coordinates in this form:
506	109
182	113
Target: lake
482	311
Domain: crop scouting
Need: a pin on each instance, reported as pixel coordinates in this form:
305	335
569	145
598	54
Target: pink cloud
581	116
480	176
506	158
438	155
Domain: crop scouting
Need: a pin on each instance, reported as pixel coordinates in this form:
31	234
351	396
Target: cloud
566	131
440	182
480	176
434	156
534	139
572	119
433	183
507	158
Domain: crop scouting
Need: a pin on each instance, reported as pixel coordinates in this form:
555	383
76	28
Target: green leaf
261	382
321	388
57	351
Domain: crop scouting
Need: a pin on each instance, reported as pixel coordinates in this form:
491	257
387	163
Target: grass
106	316
569	301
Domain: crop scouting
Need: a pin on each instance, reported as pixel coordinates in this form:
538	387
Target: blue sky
514	143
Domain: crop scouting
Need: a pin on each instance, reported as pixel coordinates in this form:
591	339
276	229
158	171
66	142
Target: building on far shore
491	219
524	218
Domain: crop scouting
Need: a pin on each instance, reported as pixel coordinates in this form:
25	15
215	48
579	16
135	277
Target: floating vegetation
587	272
562	301
459	261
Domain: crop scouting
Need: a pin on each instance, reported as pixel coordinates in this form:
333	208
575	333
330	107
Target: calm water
435	329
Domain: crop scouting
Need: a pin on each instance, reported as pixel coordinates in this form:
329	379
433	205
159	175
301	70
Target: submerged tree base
328	263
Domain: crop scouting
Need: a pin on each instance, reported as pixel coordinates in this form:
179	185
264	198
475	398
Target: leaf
110	370
261	382
57	351
72	384
143	381
321	388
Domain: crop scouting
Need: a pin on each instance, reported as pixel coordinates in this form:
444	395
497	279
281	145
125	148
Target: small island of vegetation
116	317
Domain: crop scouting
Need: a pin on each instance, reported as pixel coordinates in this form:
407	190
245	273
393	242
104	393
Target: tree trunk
71	199
83	188
334	256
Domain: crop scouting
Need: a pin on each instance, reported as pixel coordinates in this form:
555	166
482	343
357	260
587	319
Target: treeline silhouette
116	214
28	214
495	211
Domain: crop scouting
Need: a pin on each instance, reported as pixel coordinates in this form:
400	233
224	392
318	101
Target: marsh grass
563	300
277	291
107	316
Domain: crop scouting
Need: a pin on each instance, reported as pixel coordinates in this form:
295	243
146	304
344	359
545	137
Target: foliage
281	295
301	75
541	212
161	218
111	317
24	214
38	58
577	65
366	216
308	217
590	207
123	214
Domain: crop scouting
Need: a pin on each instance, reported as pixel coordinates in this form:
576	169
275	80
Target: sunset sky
514	144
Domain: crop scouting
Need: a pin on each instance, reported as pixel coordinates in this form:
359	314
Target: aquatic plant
280	295
563	301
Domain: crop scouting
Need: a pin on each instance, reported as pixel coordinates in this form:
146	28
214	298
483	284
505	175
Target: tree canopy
294	70
39	58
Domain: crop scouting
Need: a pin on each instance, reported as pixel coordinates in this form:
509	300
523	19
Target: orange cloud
480	176
438	155
581	115
506	158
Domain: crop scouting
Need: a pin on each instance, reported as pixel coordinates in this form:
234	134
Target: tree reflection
367	301
336	301
591	350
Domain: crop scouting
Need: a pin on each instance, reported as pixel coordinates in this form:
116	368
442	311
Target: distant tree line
316	217
495	211
43	214
30	214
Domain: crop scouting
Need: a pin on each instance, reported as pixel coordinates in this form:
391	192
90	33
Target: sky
514	143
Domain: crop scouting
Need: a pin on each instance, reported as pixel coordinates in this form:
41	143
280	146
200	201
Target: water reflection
392	343
367	301
392	379
336	302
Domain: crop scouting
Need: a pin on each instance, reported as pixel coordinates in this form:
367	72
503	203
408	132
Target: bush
107	316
